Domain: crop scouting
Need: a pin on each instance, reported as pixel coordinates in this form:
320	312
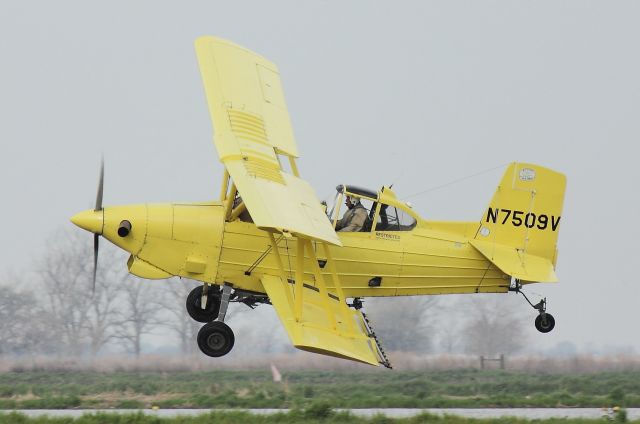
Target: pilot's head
351	202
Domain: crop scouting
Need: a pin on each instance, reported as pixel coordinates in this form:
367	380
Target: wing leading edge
252	129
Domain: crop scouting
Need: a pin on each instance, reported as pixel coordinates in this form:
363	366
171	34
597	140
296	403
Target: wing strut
283	274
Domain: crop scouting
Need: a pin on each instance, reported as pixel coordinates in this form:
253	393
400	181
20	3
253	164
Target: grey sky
414	93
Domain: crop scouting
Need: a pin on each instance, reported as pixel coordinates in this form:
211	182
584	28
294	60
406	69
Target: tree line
53	309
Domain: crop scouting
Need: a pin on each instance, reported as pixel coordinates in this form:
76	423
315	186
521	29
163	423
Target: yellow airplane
269	240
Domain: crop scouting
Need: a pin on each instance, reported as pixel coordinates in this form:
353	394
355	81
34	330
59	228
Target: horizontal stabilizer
516	263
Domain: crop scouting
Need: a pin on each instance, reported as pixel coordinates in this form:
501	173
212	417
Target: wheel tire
211	310
215	339
545	323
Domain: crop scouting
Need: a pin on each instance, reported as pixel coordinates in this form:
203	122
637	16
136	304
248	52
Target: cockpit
384	211
377	211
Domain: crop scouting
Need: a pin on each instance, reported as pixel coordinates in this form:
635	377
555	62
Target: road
529	413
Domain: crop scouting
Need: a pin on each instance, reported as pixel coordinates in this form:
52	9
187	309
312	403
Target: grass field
344	389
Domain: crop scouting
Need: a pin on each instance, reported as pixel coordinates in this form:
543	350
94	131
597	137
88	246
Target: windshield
331	206
393	219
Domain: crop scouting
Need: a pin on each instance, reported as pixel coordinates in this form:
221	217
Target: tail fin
519	229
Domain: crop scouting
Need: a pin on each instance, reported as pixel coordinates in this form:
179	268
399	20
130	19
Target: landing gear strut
544	322
216	338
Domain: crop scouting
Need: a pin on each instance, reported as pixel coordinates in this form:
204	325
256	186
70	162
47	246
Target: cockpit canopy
383	208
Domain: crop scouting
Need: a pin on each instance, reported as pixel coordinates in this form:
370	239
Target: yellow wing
252	128
314	331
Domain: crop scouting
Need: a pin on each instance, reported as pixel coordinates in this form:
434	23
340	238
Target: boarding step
385	361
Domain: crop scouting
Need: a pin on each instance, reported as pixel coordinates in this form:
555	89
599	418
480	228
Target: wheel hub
216	341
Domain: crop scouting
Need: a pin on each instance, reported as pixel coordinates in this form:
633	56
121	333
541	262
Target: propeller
96	243
96	236
100	187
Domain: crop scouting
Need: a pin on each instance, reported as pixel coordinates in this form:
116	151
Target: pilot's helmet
352	201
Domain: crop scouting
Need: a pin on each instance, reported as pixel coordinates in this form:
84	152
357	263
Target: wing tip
204	40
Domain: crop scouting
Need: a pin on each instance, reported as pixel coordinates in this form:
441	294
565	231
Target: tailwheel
545	322
211	309
215	339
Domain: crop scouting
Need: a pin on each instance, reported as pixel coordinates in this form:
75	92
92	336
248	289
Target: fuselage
417	262
193	240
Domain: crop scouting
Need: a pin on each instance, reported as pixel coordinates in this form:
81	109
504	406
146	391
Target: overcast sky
413	93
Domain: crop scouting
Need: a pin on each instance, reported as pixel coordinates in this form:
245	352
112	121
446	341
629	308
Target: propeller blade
100	187
96	243
96	237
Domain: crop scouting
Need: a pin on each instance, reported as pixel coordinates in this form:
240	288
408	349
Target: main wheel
215	339
545	323
194	301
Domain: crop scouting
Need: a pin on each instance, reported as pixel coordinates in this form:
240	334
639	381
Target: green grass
254	389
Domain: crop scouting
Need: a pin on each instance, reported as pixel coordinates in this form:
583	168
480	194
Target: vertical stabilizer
519	229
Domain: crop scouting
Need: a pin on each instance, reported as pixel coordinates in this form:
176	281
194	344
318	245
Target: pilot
354	218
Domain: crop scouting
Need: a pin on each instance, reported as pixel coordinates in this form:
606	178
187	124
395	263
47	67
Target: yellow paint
316	333
252	126
531	197
515	237
143	269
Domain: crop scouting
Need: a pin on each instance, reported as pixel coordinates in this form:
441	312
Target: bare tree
13	314
103	318
23	326
173	302
449	329
404	323
140	314
66	283
493	325
80	319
